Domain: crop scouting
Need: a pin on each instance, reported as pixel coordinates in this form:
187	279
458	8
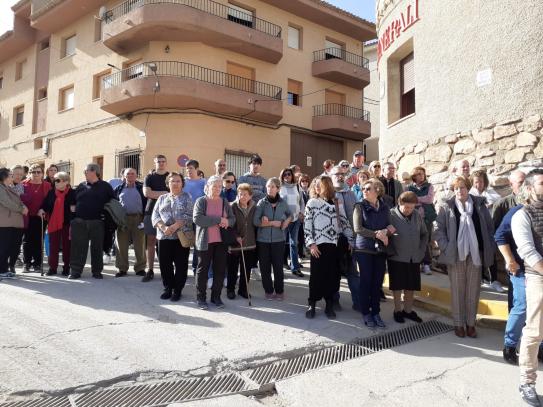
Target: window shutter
408	73
293	38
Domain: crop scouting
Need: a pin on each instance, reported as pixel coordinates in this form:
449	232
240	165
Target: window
333	49
294	93
42	93
98	83
100	161
20	69
64	166
44	45
128	159
98	27
132	70
18	116
240	77
240	15
407	84
294	37
38	143
236	161
68	47
66	99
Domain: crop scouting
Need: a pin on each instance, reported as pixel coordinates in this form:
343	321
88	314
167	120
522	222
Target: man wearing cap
356	165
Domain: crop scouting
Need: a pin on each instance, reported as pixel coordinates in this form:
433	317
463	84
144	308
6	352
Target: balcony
136	22
340	66
342	121
53	15
179	85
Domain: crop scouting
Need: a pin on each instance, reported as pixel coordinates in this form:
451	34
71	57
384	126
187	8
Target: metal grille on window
128	159
236	161
64	166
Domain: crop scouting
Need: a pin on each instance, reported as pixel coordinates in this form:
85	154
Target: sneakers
298	273
378	321
412	316
529	395
218	302
148	277
496	286
270	297
510	355
106	258
368	321
398	317
427	270
202	304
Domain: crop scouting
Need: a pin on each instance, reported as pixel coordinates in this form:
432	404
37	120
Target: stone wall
498	148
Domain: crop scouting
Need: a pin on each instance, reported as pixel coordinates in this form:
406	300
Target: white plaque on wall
309	161
484	77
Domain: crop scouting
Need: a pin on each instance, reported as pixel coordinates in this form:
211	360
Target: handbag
228	235
187	238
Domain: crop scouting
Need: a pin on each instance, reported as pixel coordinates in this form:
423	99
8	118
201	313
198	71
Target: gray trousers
83	232
465	280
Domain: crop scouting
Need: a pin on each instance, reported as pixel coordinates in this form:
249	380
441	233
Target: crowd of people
355	221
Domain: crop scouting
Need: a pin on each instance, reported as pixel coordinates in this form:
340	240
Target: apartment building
116	82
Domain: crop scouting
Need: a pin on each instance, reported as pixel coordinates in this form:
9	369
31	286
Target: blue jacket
281	212
229	194
367	220
504	235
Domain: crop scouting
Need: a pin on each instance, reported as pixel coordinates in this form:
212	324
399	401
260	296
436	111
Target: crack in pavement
69	331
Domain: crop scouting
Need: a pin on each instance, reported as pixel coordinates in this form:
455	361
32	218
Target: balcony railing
190	71
335	109
338	53
207	6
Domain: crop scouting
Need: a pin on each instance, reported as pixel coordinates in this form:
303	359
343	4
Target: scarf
56	222
467	238
274	199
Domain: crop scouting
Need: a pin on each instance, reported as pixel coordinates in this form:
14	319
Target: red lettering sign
396	27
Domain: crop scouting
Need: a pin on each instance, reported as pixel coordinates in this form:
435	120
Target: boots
329	309
310	313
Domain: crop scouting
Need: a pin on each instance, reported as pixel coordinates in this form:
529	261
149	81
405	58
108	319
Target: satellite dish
102	12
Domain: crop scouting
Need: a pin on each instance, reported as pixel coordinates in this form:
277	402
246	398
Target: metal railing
189	71
335	109
338	53
207	6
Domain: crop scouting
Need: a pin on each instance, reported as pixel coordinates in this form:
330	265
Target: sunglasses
367	189
376	166
227	181
345	165
36	172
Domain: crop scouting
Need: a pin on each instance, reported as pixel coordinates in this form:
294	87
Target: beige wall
372	92
451	44
205	136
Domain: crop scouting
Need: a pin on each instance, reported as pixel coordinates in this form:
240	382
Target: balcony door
335	103
240	77
333	49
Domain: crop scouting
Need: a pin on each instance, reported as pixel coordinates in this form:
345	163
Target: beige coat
11	209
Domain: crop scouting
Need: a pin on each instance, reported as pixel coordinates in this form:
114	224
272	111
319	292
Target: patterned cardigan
169	209
321	225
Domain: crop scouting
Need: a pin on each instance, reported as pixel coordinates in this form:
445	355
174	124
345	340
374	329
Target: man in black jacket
130	194
88	225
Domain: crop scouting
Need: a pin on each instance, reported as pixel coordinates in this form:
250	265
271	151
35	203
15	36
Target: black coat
49	203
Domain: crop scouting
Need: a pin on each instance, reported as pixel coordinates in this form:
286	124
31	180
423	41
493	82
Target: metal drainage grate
42	402
164	393
325	357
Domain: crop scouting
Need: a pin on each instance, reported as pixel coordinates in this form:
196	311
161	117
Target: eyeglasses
36	172
377	166
227	181
345	165
367	189
58	180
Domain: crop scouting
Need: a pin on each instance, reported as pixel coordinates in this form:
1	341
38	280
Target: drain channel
164	393
290	367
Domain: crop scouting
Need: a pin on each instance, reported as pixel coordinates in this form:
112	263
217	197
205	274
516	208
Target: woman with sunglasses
361	177
36	189
290	193
59	207
372	227
229	191
375	169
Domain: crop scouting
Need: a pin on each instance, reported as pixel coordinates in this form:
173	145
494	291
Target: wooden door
309	152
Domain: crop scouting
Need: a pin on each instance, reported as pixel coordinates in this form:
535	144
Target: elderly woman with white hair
212	216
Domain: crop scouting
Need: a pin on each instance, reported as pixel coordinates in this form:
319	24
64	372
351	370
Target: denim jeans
291	236
372	270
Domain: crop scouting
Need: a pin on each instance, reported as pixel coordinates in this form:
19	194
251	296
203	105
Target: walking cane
41	246
245	274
